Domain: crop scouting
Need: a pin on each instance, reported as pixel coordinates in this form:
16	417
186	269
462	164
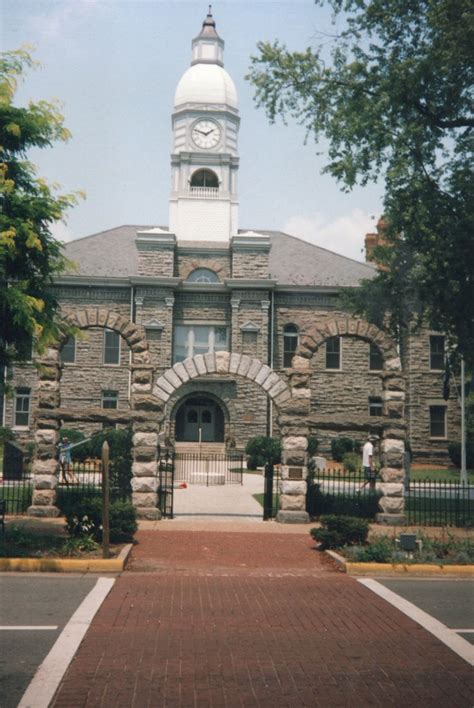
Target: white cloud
51	20
344	235
61	232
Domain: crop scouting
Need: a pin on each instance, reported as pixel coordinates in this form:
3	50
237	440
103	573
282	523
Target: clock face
206	134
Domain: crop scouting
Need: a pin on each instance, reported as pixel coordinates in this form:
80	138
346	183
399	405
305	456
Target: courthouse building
202	284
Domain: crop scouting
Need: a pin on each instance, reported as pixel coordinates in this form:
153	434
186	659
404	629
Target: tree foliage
393	98
29	255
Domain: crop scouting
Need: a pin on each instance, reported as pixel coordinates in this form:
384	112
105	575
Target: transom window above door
190	340
202	275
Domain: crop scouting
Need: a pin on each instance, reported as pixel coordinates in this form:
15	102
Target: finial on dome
209	24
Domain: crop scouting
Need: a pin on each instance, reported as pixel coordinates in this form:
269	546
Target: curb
67	565
464	571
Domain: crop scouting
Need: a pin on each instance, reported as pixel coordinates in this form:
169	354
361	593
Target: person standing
368	463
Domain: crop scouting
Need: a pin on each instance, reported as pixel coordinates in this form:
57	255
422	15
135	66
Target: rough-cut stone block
289	487
163	383
190	368
392	505
394	409
148	513
277	388
180	371
392	474
391	445
141	388
46	386
331	329
393	364
81	318
282	398
299	379
148	499
300	363
210	360
200	364
293	457
292	502
393	383
301	393
144	454
292	517
295	443
141	345
173	378
308	342
160	393
392	489
145	440
263	374
254	368
48	399
102	315
270	381
144	469
44	497
393	396
112	319
222	362
362	327
342	327
46	437
144	484
244	365
295	406
48	373
393	459
45	481
352	326
234	363
91	316
142	402
43	512
43	467
139	358
146	425
391	519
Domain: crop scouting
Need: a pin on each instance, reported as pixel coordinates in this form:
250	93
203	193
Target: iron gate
271	493
166	467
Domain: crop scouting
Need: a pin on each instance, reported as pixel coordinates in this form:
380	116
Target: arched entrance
199	419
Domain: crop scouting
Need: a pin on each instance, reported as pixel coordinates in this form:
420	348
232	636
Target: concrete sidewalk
253	619
234	501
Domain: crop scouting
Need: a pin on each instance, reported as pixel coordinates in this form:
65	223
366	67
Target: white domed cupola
205	130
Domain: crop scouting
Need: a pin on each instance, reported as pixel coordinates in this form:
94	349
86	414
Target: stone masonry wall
186	263
156	262
249	264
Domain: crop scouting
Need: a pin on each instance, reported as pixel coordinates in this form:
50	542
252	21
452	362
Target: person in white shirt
368	463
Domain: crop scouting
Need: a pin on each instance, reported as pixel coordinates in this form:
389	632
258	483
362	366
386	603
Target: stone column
392	472
234	330
45	465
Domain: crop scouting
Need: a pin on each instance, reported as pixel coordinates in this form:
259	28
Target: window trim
190	341
212	281
445	420
372	345
441	337
111	398
20	426
69	363
371	401
117	363
339	368
293	335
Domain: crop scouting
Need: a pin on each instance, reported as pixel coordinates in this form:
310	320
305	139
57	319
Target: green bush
364	506
84	518
381	550
6	434
262	450
454	450
352	462
338	531
313	444
340	446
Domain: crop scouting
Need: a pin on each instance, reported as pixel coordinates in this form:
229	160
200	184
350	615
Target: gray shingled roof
292	261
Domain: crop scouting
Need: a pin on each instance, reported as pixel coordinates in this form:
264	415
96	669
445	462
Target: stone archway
393	399
48	416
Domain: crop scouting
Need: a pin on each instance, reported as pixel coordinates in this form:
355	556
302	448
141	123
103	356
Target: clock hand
196	130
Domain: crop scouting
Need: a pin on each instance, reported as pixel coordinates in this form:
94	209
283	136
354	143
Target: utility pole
105	500
463	426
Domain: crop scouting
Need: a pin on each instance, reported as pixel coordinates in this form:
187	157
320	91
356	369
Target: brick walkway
241	619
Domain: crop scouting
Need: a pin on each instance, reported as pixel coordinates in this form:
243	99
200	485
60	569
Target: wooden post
105	500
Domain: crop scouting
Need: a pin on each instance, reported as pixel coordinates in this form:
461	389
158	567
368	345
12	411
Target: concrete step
203	448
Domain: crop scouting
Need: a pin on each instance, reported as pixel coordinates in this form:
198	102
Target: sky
115	64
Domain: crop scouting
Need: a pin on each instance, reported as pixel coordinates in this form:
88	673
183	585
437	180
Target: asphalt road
32	601
449	601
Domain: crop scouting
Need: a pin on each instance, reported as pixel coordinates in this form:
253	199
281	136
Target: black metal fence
271	493
445	503
337	491
208	469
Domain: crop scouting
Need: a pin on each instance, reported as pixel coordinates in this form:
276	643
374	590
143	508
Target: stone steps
203	448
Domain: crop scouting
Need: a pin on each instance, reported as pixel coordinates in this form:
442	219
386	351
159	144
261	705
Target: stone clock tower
204	162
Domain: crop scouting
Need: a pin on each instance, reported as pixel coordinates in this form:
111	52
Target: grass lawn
275	502
439	475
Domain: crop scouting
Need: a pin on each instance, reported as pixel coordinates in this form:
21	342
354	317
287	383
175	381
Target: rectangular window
375	358
437	353
333	353
110	399
375	406
22	407
111	347
68	352
438	421
190	340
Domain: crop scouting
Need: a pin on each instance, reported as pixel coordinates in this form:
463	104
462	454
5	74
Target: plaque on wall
295	473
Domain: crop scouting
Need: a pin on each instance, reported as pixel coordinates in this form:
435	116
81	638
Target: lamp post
463	426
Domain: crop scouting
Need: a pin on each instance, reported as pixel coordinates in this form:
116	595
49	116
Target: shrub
262	450
340	446
352	462
84	518
338	531
6	434
454	450
380	550
313	444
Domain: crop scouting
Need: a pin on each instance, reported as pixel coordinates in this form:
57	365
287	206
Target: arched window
192	416
290	344
202	275
205	178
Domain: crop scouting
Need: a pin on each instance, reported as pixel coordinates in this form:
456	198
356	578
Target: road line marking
448	636
25	627
464	631
45	682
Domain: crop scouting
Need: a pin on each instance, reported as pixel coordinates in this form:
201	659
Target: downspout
132	319
271	316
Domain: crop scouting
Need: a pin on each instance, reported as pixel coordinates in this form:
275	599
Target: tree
394	102
29	255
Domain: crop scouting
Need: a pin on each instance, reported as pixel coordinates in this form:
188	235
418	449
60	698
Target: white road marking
45	682
26	627
464	631
440	631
